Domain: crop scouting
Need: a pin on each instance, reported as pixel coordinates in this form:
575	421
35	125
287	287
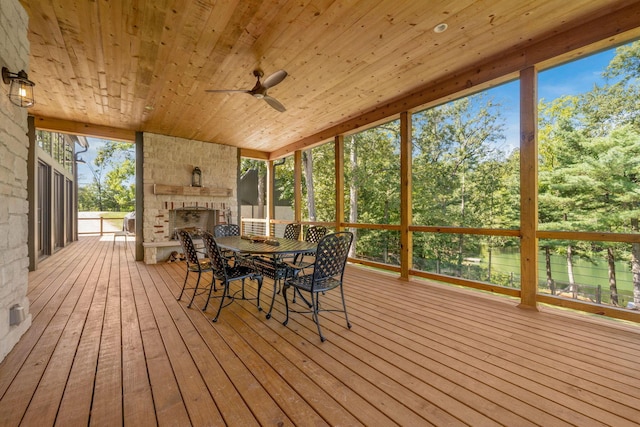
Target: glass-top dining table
266	254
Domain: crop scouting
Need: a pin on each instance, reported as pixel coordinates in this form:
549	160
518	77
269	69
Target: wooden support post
528	187
297	173
271	206
406	214
339	172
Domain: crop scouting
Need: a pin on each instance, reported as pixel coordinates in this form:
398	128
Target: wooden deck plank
469	331
106	408
440	393
397	410
108	333
75	406
262	406
37	349
138	409
23	347
169	405
45	403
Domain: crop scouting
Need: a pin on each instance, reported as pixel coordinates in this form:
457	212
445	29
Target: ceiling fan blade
274	103
227	90
274	79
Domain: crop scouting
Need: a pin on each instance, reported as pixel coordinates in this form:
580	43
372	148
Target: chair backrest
331	256
188	247
292	231
224	230
213	252
315	233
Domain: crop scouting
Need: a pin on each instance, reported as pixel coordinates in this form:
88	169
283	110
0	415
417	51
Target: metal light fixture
196	177
21	89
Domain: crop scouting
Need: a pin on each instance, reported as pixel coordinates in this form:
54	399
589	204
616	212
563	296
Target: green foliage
374	170
589	168
114	165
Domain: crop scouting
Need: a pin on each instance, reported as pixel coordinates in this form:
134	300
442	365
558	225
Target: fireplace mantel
176	190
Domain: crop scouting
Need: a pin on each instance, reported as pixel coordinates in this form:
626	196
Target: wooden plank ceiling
144	65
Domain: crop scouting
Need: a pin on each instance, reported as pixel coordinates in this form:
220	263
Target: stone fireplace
171	203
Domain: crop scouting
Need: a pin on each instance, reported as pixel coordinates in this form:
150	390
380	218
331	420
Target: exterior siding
14	143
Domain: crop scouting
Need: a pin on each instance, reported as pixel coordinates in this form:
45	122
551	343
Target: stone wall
14	143
170	161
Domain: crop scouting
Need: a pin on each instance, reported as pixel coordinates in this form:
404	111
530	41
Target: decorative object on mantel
196	177
177	190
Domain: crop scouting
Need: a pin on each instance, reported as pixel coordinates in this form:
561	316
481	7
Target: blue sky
85	176
84	173
568	79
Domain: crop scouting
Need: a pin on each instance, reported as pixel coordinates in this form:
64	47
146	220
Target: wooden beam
406	212
529	187
254	154
84	129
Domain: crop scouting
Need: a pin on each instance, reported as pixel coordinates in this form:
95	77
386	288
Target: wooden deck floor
110	345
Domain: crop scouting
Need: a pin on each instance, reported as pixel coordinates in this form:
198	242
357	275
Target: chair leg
225	293
273	297
259	280
184	285
315	301
344	307
195	290
212	288
286	303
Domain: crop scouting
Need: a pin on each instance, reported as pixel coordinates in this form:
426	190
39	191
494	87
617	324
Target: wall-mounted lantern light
21	89
196	177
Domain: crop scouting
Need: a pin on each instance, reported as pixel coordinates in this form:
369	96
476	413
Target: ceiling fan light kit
259	90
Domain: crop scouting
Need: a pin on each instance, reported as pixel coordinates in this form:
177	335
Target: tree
373	174
114	166
589	167
459	176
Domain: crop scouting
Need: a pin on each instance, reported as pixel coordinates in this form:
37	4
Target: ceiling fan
259	90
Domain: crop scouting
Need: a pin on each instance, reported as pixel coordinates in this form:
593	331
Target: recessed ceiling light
440	28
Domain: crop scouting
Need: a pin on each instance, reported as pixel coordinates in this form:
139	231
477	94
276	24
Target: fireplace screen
194	220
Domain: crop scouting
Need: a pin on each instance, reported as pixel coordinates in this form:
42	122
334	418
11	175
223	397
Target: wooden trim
371	226
84	129
339	171
382	266
591	236
529	186
465	230
254	154
406	212
513	292
178	190
603	310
